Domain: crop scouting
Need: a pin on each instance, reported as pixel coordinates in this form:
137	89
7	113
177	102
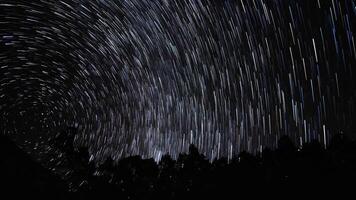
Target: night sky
150	77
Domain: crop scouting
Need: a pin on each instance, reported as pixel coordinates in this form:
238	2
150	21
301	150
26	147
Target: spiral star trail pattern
150	77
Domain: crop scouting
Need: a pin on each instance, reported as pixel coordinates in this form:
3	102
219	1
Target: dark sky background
151	77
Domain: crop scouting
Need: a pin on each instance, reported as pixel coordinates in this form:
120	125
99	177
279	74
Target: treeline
286	168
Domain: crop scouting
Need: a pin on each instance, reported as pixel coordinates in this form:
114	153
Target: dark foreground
286	169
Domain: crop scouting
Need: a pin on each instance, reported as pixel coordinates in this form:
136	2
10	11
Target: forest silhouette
286	168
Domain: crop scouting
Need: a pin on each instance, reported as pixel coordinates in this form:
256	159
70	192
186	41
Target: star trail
150	77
